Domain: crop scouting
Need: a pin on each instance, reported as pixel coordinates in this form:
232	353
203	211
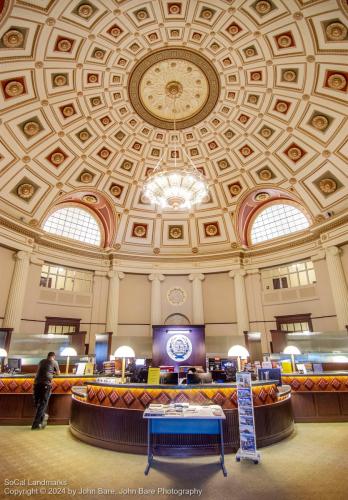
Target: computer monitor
270	374
14	364
140	362
199	378
218	376
193	378
170	378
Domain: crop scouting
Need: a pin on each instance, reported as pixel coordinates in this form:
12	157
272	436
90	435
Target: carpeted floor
311	465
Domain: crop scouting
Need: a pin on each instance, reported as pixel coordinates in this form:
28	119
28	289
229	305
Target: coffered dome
86	112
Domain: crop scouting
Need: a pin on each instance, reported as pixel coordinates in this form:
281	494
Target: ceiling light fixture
173	186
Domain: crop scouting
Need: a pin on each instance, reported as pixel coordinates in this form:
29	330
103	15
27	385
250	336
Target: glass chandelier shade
176	187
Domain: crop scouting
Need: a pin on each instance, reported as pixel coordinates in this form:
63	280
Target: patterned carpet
312	464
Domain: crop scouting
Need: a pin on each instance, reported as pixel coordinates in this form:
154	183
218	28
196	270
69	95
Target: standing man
42	388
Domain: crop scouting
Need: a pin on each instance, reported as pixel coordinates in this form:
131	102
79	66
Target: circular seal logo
179	347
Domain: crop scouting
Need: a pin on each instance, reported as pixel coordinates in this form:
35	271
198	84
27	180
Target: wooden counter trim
316	383
124	429
24	385
139	397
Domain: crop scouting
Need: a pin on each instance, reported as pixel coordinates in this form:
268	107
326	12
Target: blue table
207	424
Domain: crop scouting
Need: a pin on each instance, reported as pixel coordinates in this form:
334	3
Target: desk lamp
239	352
68	351
292	350
124	351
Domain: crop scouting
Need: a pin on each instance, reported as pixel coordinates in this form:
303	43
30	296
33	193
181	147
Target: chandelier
172	186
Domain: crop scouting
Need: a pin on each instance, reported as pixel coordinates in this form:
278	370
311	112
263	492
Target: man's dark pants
42	394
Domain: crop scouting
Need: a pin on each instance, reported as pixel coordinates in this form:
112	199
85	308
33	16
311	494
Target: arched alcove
177	319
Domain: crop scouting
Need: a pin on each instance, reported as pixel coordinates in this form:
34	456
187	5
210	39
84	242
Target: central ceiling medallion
165	74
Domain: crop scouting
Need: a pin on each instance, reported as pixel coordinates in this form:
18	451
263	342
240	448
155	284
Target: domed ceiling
86	107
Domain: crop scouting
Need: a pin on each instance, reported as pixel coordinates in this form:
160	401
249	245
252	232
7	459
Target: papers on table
183	410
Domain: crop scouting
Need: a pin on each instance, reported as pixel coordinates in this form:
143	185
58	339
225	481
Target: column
156	299
197	298
338	285
113	301
15	301
241	300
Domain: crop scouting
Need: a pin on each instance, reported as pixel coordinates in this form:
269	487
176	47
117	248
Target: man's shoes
43	423
36	427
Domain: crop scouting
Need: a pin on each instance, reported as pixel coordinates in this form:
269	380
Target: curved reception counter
16	398
111	416
319	397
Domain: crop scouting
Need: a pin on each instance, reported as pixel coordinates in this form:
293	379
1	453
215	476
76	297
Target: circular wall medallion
25	191
336	81
14	88
320	122
328	185
64	45
263	7
284	41
116	190
57	158
86	177
60	80
174	79
139	231
85	10
262	196
294	153
176	296
336	31
12	39
179	347
89	198
266	132
211	230
175	232
265	174
31	128
289	75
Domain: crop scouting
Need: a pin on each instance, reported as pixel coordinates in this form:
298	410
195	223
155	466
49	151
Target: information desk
16	398
111	416
319	397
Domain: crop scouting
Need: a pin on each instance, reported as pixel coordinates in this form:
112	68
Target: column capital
333	250
21	255
253	271
320	255
36	260
114	274
237	272
100	274
196	276
156	276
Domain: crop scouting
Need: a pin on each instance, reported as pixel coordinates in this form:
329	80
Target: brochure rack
246	417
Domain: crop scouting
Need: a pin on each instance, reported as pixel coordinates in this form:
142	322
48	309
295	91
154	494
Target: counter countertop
62	375
183	386
339	373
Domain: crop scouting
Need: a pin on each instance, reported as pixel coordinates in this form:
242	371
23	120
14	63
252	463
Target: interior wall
6	270
167	308
316	300
135	305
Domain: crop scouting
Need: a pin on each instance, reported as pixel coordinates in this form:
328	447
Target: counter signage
153	376
247	432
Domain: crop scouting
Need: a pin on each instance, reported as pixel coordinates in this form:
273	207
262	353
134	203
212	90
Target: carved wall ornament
176	296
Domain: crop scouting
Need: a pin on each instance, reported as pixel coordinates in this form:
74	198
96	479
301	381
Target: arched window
74	223
277	220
